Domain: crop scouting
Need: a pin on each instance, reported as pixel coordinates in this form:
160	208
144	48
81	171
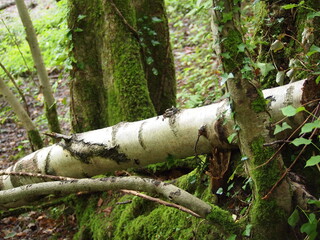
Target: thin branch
37	175
157	200
14	38
58	136
282	146
17	87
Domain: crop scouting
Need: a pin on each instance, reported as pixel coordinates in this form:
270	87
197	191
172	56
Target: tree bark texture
267	216
135	144
50	104
157	58
88	96
20	196
124	78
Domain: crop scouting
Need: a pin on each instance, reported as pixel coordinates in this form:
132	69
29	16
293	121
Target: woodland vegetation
162	119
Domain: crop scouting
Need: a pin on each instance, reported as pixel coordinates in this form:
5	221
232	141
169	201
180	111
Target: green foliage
51	29
308	226
307	128
280	128
198	79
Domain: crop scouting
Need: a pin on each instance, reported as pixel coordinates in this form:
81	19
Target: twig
280	148
37	175
157	200
276	142
58	136
294	162
288	169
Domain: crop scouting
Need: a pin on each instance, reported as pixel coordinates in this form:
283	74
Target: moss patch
142	219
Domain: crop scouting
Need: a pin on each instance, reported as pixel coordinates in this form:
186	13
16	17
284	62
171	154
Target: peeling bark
135	144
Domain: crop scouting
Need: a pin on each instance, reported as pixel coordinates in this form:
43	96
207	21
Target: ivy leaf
155	43
225	77
313	15
80	17
281	128
155	71
313	49
156	20
313	161
265	68
231	137
308	127
310	227
226	55
315	202
247	231
149	60
232	237
289	111
294	218
318	79
290	6
219	191
241	47
301	141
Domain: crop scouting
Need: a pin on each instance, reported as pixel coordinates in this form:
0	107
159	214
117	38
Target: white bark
36	56
16	107
144	142
21	195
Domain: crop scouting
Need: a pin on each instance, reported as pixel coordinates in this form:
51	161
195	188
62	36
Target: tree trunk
32	131
124	78
267	216
50	104
88	96
145	142
157	58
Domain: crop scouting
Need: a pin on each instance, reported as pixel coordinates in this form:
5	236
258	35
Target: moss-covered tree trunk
267	216
123	75
157	58
88	102
109	83
286	30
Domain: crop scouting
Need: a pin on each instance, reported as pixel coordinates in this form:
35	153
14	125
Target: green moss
224	221
230	45
128	96
270	171
35	139
259	104
142	219
267	217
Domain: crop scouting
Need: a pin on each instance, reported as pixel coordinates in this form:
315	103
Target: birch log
136	144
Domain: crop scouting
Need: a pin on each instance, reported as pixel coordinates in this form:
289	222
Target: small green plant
307	128
310	226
